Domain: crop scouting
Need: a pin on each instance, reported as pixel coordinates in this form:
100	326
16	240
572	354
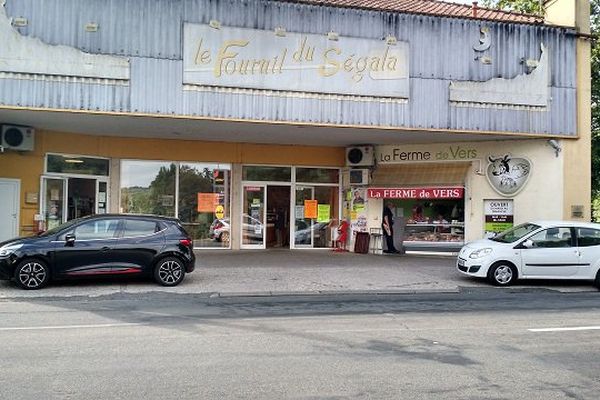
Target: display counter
434	234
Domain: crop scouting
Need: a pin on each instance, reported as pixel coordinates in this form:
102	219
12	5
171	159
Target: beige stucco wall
540	198
577	153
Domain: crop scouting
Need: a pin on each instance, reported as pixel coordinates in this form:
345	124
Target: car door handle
105	248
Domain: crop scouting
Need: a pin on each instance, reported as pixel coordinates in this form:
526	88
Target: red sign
417	193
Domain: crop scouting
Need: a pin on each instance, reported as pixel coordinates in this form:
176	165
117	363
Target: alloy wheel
32	275
170	272
503	274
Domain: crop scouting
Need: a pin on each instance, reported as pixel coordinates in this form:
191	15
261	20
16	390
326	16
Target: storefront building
264	123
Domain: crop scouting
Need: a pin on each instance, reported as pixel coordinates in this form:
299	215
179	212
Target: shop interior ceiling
228	131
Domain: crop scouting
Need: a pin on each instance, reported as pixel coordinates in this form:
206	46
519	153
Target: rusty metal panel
441	50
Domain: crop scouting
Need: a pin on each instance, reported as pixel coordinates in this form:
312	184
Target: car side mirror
528	244
69	239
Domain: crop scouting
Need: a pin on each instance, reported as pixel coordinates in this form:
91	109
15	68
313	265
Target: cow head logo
508	175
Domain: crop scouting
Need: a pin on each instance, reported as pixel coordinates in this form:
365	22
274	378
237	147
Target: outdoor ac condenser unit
16	137
360	156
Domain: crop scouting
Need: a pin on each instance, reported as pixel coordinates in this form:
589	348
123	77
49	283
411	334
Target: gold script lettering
224	55
202	56
329	71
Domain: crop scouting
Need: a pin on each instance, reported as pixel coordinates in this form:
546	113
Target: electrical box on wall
17	137
360	156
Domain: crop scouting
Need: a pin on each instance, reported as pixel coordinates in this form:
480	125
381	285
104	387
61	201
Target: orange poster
207	202
310	208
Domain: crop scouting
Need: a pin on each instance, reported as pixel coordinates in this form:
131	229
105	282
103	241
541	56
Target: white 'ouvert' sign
258	59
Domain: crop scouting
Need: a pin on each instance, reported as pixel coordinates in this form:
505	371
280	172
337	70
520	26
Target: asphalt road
478	344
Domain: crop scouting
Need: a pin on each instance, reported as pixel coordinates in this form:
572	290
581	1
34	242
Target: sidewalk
298	272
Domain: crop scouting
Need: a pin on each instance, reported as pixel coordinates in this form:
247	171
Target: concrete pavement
298	272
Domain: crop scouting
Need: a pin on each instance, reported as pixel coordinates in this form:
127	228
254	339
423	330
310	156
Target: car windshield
513	234
59	228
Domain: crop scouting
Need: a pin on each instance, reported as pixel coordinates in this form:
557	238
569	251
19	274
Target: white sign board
258	59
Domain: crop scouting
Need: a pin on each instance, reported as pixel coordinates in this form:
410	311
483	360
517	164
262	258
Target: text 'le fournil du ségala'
229	61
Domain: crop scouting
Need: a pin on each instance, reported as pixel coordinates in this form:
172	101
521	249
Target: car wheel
597	280
224	238
32	274
502	274
169	271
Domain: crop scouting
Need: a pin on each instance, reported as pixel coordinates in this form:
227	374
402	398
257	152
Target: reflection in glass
328	198
148	187
303	234
65	164
54	197
261	173
204	203
253	232
316	232
317	175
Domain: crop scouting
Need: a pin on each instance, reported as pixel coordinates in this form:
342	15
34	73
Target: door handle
105	248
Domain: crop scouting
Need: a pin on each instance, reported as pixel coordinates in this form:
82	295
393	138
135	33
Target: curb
330	293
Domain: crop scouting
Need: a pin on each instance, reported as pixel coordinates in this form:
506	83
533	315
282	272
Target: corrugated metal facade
150	33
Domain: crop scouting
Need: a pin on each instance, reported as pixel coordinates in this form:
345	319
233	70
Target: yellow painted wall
29	166
577	154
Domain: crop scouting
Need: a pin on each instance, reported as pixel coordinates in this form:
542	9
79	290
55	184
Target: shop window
203	203
432	221
317	175
262	173
66	164
148	187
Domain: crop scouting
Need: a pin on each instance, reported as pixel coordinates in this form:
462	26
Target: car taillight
218	225
186	242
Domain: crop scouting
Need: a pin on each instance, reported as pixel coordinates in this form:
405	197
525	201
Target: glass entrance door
303	227
54	201
253	224
101	196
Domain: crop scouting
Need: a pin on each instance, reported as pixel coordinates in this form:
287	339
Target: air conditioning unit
360	156
17	137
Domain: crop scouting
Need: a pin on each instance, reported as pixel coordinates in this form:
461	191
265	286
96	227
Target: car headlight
7	250
480	253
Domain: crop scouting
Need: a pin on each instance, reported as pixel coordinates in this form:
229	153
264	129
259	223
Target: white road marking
574	328
40	328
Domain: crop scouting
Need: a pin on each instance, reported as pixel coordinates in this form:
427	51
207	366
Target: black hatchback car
106	244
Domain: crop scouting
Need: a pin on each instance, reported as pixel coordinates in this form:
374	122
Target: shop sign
424	153
499	216
416	193
300	62
219	212
508	174
207	202
310	209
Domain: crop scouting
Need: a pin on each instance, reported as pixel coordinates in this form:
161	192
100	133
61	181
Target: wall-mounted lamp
214	24
279	31
555	144
91	27
391	40
20	22
333	36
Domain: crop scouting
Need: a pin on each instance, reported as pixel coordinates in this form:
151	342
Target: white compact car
535	250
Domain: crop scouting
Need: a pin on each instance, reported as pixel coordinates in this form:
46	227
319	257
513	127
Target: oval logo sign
508	175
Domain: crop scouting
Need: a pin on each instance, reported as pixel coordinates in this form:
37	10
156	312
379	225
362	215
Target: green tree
521	6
